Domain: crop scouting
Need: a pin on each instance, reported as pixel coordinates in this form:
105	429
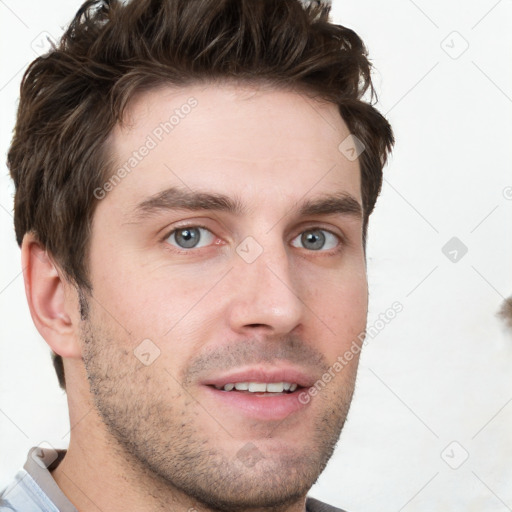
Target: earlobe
51	303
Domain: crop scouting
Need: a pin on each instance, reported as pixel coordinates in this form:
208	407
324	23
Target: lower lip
260	406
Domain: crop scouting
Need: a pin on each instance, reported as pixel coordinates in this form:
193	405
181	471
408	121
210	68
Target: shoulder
23	494
314	505
15	498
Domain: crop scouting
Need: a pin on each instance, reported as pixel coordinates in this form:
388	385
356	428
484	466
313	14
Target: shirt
34	489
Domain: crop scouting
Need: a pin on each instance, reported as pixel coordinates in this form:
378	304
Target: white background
442	370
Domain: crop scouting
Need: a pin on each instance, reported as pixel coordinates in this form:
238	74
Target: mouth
261	388
266	394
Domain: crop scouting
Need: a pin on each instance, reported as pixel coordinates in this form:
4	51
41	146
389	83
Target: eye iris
316	237
187	237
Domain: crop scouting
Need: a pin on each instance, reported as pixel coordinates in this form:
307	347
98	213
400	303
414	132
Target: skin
150	437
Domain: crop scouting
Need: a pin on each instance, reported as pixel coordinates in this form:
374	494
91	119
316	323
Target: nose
267	293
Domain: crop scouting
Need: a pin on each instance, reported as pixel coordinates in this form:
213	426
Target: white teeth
275	387
259	387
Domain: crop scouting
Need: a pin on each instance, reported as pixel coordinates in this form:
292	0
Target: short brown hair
72	97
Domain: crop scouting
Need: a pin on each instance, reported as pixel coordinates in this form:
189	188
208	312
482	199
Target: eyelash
175	250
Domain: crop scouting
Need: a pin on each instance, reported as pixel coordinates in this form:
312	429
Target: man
193	181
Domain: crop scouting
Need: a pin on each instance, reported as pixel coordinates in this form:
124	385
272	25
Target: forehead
242	139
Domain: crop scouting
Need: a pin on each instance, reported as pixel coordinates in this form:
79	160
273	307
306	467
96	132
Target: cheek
166	306
344	288
340	301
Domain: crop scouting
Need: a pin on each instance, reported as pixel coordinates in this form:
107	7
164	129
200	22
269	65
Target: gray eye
189	237
317	239
313	239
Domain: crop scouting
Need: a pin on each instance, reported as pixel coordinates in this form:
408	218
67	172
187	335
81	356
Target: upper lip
263	374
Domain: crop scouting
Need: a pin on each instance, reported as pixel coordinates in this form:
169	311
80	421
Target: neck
97	474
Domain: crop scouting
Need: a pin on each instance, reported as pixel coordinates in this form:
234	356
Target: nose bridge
267	292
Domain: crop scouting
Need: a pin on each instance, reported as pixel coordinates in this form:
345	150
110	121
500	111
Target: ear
51	298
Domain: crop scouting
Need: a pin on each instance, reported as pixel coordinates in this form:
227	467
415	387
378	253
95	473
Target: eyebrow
175	198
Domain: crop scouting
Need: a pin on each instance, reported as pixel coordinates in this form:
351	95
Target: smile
260	387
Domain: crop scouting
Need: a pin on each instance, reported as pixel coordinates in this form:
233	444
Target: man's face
264	294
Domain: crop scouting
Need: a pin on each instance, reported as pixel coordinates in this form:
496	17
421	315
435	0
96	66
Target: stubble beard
158	438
